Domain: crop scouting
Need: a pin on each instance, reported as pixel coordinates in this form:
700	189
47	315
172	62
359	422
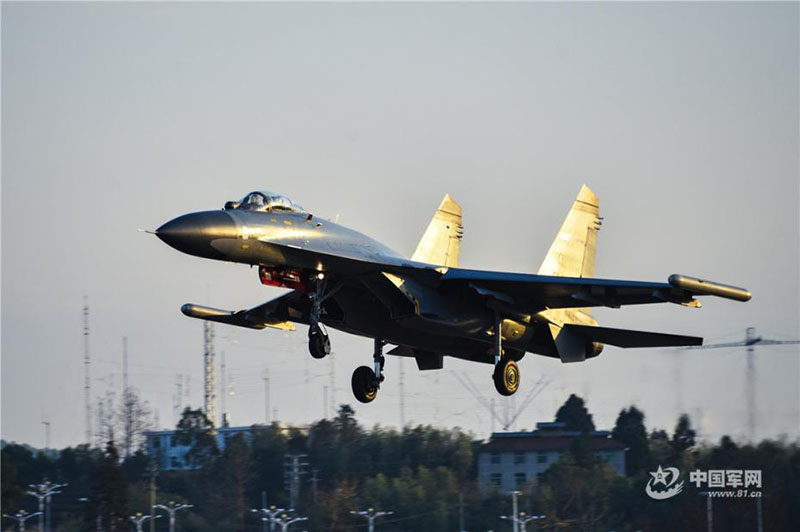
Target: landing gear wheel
364	384
506	377
319	344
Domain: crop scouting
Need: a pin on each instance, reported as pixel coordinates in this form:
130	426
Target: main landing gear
506	372
319	344
365	380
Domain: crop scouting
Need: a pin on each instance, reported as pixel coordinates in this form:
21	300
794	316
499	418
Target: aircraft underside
426	305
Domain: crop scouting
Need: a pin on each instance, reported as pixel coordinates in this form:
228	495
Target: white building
512	460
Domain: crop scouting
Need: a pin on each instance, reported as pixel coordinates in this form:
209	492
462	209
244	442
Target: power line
751	340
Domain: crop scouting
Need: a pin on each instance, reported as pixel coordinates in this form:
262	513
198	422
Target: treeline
425	475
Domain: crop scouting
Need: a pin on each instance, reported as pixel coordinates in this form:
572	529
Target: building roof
548	443
548	437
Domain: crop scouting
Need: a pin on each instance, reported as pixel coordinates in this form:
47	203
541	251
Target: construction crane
751	340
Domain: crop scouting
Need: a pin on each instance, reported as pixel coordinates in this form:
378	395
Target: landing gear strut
365	380
506	372
319	344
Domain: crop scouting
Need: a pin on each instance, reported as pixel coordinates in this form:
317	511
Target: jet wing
277	313
530	293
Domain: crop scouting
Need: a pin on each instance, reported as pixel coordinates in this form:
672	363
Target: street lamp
525	519
20	517
138	519
44	492
269	514
370	514
172	509
284	521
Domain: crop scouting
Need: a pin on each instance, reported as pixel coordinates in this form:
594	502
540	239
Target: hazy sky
683	118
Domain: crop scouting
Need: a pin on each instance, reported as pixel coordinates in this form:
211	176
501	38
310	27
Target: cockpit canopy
263	201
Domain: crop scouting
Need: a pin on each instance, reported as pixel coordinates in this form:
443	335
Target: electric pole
370	515
172	509
293	472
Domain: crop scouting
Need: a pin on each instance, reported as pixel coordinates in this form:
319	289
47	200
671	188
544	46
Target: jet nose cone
196	233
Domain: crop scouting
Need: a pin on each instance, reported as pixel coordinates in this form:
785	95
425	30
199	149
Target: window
173	462
494	458
541	458
519	457
496	479
520	479
156	442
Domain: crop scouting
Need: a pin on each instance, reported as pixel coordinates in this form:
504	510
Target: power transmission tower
751	340
210	374
87	382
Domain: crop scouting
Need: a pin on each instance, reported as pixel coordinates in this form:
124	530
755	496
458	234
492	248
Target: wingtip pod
710	288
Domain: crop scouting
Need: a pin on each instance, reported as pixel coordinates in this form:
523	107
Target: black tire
319	344
506	377
363	383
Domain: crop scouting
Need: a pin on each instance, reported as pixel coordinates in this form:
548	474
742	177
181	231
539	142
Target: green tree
196	431
574	415
630	430
683	437
109	491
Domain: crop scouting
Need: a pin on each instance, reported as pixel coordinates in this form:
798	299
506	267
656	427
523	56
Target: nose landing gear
365	381
319	344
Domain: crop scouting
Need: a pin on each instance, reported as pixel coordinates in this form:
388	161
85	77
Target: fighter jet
426	306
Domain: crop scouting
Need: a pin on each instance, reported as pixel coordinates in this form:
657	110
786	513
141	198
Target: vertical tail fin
442	239
572	252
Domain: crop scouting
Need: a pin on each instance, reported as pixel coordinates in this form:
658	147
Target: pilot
254	201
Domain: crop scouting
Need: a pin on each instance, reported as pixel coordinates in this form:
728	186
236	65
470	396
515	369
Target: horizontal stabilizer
628	338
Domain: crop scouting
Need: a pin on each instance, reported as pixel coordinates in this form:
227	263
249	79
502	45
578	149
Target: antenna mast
87	383
210	374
